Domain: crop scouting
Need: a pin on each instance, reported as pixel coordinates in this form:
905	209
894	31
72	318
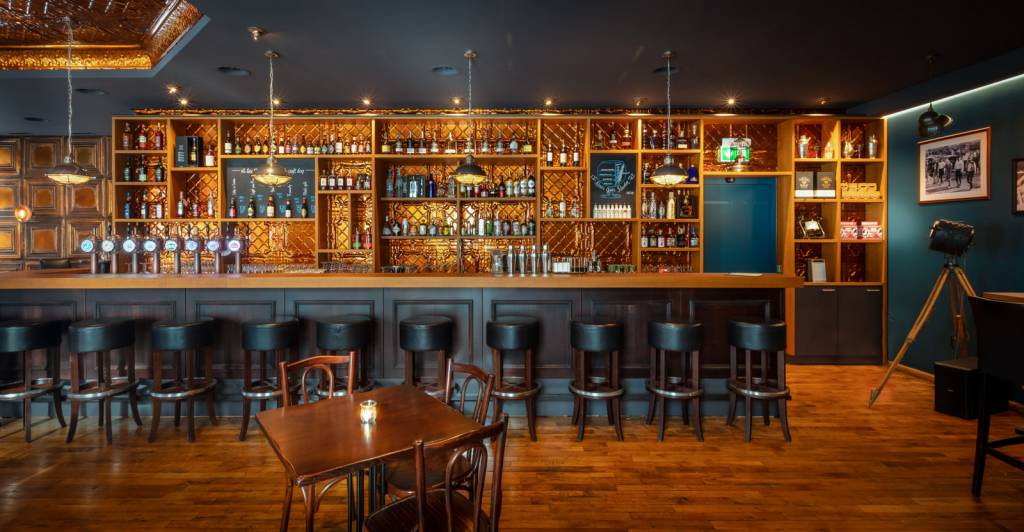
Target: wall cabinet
840	324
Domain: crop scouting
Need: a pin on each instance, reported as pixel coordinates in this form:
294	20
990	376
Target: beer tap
130	245
233	246
91	247
172	244
152	245
110	246
522	260
194	245
214	245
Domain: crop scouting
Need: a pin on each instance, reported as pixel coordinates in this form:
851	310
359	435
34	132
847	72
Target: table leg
309	497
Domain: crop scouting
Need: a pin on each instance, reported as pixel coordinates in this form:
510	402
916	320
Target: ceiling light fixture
824	101
277	102
930	123
669	173
730	101
22	213
271	173
470	173
183	102
256	32
173	89
456	100
69	172
548	102
367	101
639	101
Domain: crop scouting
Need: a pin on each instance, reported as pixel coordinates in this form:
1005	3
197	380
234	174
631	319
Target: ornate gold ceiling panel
109	34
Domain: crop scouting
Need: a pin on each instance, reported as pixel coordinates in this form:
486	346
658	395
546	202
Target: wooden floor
898	466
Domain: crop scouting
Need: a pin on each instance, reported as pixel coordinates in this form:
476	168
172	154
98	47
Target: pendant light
69	172
271	173
930	123
470	173
669	173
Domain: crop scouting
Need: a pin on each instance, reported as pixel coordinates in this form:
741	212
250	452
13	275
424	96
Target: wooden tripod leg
922	318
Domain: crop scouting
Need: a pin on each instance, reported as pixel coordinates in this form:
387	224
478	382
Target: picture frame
1017	187
955	167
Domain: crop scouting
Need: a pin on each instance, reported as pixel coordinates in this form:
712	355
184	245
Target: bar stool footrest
93	391
674	390
19	392
515	391
758	390
181	390
594	390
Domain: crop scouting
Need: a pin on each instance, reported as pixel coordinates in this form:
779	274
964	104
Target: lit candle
368	411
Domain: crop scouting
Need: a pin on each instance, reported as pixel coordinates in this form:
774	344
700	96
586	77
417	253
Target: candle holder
368	411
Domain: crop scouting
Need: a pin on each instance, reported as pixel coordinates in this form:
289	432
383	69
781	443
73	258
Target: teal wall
739	225
995	262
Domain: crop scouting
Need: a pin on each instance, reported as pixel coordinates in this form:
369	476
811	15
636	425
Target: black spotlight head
949	237
930	122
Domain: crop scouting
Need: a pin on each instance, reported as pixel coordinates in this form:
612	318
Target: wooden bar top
1012	297
64	280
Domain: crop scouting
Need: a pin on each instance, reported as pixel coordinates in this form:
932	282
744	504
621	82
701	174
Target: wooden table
1012	297
325	440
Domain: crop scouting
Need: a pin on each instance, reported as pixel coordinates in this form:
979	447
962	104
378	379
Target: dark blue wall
739	225
996	262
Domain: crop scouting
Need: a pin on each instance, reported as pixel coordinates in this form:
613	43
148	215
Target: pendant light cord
271	99
472	126
71	39
668	98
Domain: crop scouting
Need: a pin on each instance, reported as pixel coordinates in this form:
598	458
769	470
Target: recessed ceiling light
456	100
183	102
256	32
639	101
277	101
35	119
445	70
824	101
730	101
660	71
91	92
173	89
367	101
548	102
233	71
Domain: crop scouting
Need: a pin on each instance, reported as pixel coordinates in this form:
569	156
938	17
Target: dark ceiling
584	53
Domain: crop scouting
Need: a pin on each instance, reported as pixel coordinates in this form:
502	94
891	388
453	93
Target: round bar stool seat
265	337
22	337
678	337
515	333
596	335
766	337
101	336
424	334
350	334
186	339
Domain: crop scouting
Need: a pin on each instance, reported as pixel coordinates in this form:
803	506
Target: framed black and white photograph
1018	186
955	167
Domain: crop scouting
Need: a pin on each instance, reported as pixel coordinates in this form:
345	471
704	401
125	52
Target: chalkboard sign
240	186
612	179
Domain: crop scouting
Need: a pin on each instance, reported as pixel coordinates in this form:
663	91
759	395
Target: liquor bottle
141	143
575	210
158	208
692	177
250	211
332	181
431	186
159	172
368	237
422	147
575	154
694	136
528	142
687	207
233	208
128	205
613	140
193	156
288	208
126	137
127	173
643	238
385	144
158	139
142	170
627	140
210	205
660	239
450	146
282	145
267	145
434	148
302	145
210	159
694	237
194	204
513	145
323	180
304	211
143	207
181	205
500	147
561	206
294	150
409	148
248	146
229	141
237	145
563	157
549	157
670	208
323	144
271	207
531	185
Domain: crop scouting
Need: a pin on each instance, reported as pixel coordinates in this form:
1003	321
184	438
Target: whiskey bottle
229	139
613	140
549	158
513	144
385	144
450	147
282	145
210	159
332	181
250	211
627	140
142	170
687	207
128	205
158	208
288	208
434	148
576	155
127	173
531	184
141	143
158	139
528	142
193	156
233	208
563	157
304	211
126	137
210	205
422	148
681	141
271	207
181	205
159	172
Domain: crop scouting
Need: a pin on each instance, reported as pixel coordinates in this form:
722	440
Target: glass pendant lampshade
271	173
69	172
668	173
470	173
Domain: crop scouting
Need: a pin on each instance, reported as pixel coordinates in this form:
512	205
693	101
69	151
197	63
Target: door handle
872	290
823	290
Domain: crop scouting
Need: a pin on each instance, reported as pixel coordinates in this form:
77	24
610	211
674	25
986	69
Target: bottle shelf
420	200
343	192
669	220
757	173
818	160
861	200
455	156
599	152
140	183
510	237
347	250
417	237
270	220
562	168
140	152
861	240
195	168
861	161
658	151
655	186
814	200
815	240
523	199
623	220
655	250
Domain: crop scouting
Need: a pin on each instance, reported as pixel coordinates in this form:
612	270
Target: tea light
368	411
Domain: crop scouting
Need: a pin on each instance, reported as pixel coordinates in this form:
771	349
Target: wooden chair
445	508
400	475
323	364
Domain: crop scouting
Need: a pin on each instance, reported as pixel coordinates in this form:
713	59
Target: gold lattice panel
206	130
350	257
557	185
602	129
423	212
854	262
334	211
433	255
458	128
611	240
764	144
279	242
198	186
557	133
476	252
313	130
363	212
505	173
347	166
506	210
675	261
802	254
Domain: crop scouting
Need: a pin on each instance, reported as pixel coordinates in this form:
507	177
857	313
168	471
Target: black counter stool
276	339
515	333
101	336
425	334
348	335
596	336
763	336
678	337
23	337
186	340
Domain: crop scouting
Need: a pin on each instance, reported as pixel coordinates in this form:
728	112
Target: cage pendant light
669	173
470	173
271	173
69	172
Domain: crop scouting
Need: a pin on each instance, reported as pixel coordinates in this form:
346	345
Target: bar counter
470	300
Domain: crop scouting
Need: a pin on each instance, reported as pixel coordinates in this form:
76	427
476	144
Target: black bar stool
277	339
686	339
101	336
188	340
424	334
762	336
349	335
596	336
515	333
25	336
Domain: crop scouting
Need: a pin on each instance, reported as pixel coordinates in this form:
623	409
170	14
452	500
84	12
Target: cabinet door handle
823	290
872	290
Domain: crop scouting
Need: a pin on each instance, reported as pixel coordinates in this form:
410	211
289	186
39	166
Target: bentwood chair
400	474
1000	357
323	364
444	507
